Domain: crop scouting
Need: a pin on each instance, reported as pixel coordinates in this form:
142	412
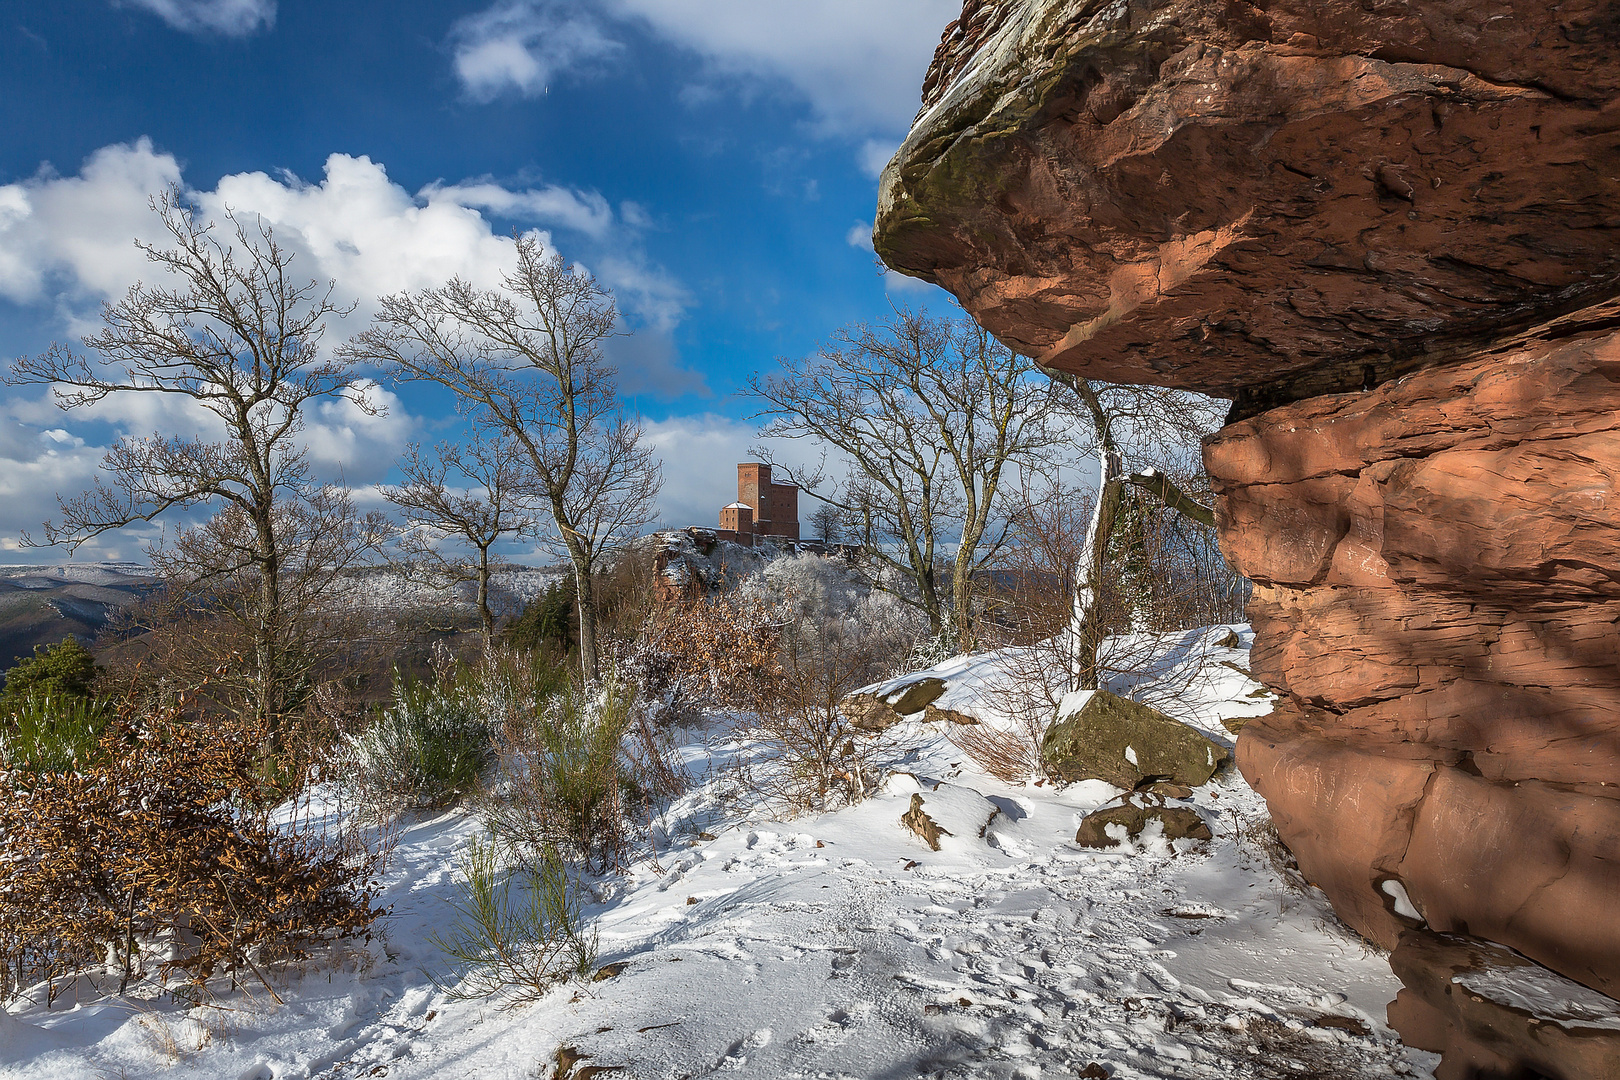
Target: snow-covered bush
518	929
150	857
426	750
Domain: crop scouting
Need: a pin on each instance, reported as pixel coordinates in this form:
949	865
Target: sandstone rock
1490	1011
881	708
869	713
947	810
1262	201
1387	231
1133	815
935	715
1125	742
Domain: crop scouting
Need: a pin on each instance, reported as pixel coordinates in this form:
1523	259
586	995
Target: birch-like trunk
1085	624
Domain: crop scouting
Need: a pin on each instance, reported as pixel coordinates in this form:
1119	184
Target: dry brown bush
719	651
153	855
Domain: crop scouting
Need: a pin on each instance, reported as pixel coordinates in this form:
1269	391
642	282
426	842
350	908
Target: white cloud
521	45
874	155
233	18
860	236
586	212
68	239
859	63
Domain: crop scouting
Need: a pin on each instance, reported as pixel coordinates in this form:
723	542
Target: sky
713	162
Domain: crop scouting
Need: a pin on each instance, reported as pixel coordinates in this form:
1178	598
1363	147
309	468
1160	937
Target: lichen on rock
1108	737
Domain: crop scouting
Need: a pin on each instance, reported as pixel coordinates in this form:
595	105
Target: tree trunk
267	631
484	613
1085	627
962	599
583	589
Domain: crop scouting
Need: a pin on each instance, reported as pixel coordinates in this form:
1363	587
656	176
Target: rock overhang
1263	203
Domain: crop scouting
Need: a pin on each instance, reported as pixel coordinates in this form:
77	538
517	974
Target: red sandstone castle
763	507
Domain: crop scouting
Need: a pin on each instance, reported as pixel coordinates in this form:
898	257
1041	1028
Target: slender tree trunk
484	612
1085	627
962	598
586	594
267	630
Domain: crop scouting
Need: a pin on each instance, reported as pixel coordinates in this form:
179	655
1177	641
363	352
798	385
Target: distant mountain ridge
42	604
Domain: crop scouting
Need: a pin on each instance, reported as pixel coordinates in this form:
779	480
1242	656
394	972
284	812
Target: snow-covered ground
830	946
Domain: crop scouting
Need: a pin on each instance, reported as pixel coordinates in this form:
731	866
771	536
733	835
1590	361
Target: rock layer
1263	201
1391	233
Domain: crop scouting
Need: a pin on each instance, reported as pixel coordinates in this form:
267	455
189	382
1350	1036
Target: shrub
714	652
566	777
150	855
64	670
520	945
426	750
53	733
549	621
809	756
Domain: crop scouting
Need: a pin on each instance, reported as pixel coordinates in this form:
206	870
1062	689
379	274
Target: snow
1523	984
1403	903
836	945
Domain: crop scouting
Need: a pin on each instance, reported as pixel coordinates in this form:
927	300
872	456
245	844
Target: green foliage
426	750
518	931
63	670
53	734
550	621
567	773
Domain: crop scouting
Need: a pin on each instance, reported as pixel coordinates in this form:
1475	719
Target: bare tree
238	338
929	414
829	523
527	358
436	509
1120	415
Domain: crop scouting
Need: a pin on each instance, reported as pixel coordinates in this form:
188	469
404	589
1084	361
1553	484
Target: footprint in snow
737	1055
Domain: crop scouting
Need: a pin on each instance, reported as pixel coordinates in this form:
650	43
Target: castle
763	507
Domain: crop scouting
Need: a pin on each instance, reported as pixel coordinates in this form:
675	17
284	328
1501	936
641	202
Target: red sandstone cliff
1391	233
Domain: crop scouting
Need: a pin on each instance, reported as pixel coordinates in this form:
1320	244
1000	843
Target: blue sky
714	161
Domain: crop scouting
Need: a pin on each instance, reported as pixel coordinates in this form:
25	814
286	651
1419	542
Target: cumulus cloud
519	46
233	18
857	63
66	241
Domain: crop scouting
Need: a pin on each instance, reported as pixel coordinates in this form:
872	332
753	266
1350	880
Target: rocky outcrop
1391	234
1491	1012
1112	825
1263	201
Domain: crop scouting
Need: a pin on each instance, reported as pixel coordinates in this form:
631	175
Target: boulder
1132	815
1265	202
880	708
1126	743
935	715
